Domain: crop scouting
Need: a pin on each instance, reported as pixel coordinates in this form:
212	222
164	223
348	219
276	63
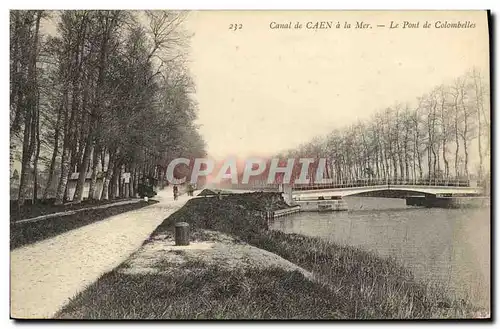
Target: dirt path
46	274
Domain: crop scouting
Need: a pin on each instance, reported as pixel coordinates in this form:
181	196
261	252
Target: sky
262	90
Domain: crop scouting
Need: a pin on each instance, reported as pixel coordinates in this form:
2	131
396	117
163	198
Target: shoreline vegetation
235	268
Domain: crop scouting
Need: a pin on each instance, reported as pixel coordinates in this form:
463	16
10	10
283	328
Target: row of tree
431	139
106	93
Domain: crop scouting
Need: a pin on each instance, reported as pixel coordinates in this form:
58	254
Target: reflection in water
451	246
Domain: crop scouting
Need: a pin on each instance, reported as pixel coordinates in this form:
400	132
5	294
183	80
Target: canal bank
275	275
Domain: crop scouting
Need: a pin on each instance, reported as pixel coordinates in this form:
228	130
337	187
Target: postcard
250	165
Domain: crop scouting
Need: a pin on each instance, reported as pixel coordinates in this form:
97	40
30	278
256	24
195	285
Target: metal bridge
401	188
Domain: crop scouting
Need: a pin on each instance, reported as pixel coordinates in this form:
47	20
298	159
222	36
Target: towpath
46	274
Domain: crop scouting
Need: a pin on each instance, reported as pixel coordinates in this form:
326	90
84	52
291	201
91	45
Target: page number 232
235	27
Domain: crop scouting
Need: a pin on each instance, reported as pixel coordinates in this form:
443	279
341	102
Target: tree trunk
92	120
26	158
395	167
131	184
54	153
19	64
84	162
30	113
479	108
457	144
446	163
115	189
414	162
416	148
70	133
465	138
120	182
107	177
438	155
434	162
63	179
93	177
36	129
406	153
466	159
137	174
66	153
103	158
66	158
479	145
83	168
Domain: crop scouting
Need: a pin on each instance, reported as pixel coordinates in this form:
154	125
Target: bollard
181	234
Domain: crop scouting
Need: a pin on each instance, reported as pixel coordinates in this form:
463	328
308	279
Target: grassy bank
30	232
45	207
204	292
366	286
347	283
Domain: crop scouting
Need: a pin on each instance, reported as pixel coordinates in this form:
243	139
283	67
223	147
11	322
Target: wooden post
181	234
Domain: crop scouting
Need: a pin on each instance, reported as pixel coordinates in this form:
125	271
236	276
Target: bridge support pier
447	202
287	193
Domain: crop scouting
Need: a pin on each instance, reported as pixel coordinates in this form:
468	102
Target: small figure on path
176	192
190	189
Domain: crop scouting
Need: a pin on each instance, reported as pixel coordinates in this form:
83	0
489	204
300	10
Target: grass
370	287
204	293
349	283
45	207
237	214
30	232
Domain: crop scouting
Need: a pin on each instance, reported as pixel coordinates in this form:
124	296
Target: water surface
451	246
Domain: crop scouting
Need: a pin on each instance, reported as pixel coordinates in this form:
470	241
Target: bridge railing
264	186
389	182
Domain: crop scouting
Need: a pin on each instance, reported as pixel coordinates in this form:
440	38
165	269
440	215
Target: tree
26	88
396	142
111	94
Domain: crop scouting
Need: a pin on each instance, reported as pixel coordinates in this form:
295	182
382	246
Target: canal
450	246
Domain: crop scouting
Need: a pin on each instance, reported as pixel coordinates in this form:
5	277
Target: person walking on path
190	190
176	192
